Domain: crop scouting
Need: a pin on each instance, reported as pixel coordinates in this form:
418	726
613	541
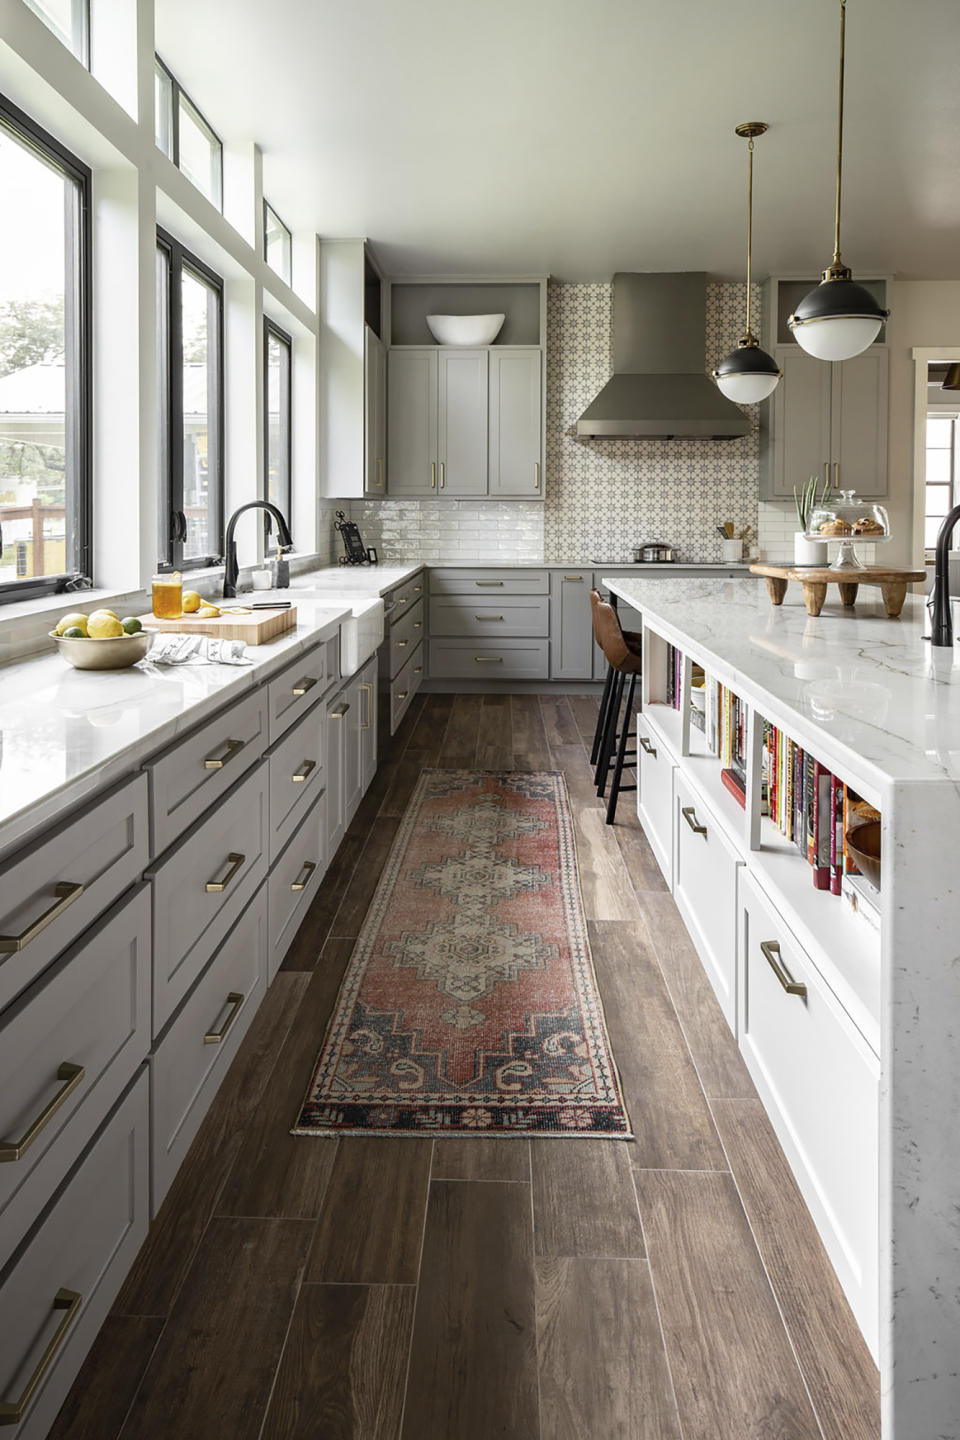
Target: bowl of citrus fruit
101	640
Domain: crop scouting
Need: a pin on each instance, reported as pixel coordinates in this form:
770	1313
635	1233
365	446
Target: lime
74	633
131	625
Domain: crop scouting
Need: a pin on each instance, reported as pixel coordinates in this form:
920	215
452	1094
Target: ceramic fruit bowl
465	329
863	843
116	653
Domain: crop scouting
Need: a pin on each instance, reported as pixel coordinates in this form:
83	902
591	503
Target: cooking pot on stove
653	552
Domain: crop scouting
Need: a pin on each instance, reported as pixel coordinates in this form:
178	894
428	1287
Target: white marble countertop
65	733
867	690
354	580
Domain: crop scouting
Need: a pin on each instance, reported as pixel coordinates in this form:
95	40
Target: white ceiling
580	137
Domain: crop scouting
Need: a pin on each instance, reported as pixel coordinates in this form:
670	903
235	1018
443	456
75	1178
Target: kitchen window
186	137
70	22
941	490
190	406
277	243
45	469
277	427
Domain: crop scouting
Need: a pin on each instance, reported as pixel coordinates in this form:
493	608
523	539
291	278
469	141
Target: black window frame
171	410
79	45
176	92
288	278
78	341
270	327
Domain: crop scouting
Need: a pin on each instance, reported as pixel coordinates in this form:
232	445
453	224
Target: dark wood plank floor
668	1288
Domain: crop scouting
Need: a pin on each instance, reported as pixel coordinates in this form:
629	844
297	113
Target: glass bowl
845	519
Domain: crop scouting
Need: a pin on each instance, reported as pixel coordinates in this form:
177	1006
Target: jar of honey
168	596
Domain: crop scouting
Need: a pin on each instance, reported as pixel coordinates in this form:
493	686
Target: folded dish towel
196	650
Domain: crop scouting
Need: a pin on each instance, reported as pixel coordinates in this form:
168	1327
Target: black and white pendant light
748	374
839	318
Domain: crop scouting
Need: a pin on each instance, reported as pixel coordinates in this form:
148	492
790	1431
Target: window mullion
175	352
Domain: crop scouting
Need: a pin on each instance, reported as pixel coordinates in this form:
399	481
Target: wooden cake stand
815	578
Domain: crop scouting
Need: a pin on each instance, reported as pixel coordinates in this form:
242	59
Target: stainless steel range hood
658	389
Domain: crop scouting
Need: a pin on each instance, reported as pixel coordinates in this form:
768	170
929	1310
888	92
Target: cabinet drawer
68	1049
493	660
52	890
62	1285
397	602
405	635
705	889
199	769
194	1054
296	776
819	1081
655	795
291	693
453	615
190	919
293	882
475	582
404	686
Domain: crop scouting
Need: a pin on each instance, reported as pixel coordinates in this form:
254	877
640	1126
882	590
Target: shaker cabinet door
516	461
860	406
463	422
799	441
412	421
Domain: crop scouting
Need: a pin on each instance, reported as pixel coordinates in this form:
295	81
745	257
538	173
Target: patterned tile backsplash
602	496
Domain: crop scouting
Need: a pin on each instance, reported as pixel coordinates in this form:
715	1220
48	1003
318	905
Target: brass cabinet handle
489	659
418	669
826	473
771	951
69	1301
403	695
300	775
488	617
690	815
340	711
217	762
71	1075
443	480
645	745
301	881
417	589
379	474
433	474
536	475
235	1001
367	690
489	582
574	579
402	599
418	624
836	474
65	892
302	686
402	644
216	887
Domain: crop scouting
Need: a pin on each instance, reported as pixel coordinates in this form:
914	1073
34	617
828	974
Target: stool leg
621	750
601	718
609	734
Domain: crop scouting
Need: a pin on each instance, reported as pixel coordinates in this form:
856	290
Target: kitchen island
849	1028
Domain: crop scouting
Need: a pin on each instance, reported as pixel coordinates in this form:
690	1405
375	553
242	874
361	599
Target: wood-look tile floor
533	1289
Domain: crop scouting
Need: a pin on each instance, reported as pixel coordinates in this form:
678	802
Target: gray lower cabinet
401	656
476	660
412	421
571	632
462	422
516	425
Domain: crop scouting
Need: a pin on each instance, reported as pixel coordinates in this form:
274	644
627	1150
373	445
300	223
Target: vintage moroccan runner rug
470	1004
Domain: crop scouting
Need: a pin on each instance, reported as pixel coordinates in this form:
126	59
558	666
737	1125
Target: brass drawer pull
301	881
402	695
442	476
488	617
433	475
69	1301
574	579
771	952
489	582
690	815
418	669
216	887
340	711
367	690
402	644
417	589
536	475
217	762
302	686
65	892
403	599
489	659
418	624
645	745
71	1075
300	775
235	1001
379	474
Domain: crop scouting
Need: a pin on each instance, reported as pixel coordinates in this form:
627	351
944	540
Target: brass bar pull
402	644
489	659
65	892
433	474
489	582
488	617
771	952
418	669
71	1075
836	474
302	686
340	710
402	695
417	589
216	887
536	475
301	881
690	815
300	775
235	1001
443	479
573	579
380	474
418	624
826	473
69	1301
645	745
217	762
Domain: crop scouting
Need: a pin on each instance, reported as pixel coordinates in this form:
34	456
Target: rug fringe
468	1134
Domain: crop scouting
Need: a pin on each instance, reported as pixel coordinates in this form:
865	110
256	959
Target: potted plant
807	499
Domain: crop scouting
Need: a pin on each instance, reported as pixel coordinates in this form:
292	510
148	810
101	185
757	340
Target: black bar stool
625	663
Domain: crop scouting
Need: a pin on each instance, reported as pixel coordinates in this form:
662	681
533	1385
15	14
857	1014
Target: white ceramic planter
808	552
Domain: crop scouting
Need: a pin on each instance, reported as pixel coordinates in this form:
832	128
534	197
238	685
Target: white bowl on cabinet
465	329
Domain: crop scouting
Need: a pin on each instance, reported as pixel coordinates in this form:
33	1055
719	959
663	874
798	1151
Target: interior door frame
923	356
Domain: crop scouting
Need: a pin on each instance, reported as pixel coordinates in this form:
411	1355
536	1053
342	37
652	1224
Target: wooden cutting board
254	629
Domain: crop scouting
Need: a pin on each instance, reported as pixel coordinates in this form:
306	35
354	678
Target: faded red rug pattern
470	1004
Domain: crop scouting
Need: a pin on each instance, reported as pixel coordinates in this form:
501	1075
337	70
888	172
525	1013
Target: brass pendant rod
836	228
749	228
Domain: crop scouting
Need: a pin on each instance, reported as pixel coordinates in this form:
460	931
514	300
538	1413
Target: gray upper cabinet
516	390
860	390
412	421
571	631
375	414
462	420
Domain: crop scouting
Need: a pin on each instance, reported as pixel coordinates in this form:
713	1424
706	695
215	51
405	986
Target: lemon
105	611
208	612
131	626
74	633
75	621
102	626
191	602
